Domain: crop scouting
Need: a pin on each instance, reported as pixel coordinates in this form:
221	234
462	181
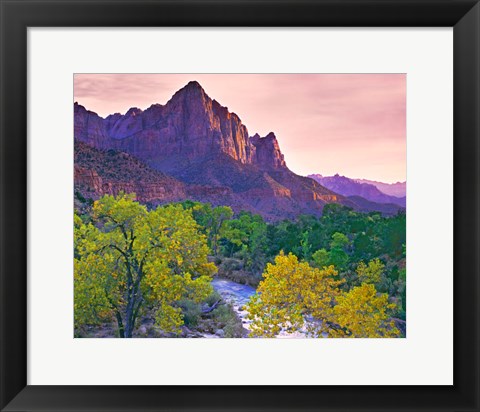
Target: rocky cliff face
91	184
108	172
89	128
267	150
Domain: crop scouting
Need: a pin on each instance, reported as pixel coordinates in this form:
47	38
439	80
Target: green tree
130	259
220	214
338	255
320	258
306	246
211	220
247	237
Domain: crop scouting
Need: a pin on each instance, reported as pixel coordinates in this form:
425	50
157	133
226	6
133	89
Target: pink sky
351	124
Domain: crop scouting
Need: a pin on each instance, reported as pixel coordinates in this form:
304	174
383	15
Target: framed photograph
239	206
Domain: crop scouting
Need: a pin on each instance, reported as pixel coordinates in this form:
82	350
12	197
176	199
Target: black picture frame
18	15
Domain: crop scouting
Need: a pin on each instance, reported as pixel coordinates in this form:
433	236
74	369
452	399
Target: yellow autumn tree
290	292
364	313
129	259
371	273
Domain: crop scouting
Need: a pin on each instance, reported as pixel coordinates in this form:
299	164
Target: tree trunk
211	308
129	321
121	329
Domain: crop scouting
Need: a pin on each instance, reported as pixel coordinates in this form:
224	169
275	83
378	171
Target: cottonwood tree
294	296
290	292
371	273
128	260
364	313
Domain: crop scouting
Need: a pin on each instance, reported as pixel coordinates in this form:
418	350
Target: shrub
213	298
191	312
226	318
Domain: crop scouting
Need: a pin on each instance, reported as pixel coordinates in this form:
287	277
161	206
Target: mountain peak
270	135
268	151
133	111
191	92
192	87
194	84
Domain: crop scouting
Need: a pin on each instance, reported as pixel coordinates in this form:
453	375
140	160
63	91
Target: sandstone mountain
192	147
190	126
350	187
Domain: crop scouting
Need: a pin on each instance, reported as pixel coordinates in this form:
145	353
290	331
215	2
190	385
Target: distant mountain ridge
398	189
352	187
199	144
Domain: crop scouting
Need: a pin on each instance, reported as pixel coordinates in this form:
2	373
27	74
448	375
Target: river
238	295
